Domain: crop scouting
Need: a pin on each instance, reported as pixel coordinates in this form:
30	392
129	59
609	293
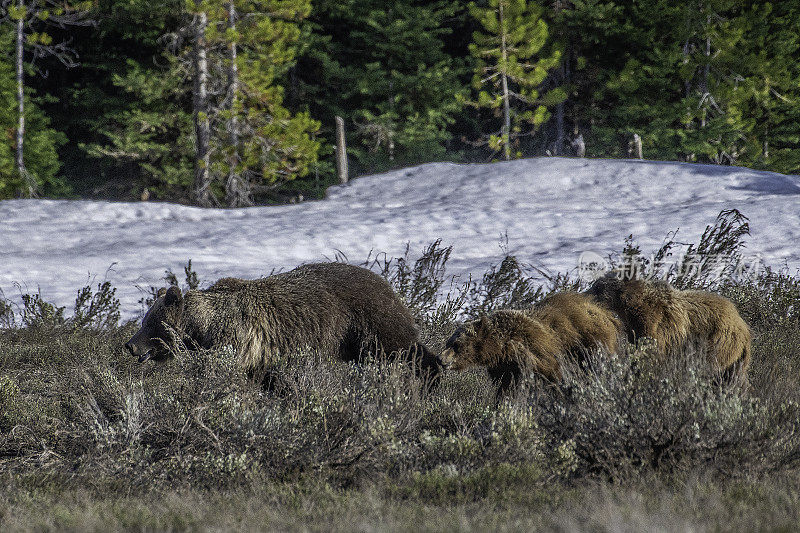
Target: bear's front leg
505	376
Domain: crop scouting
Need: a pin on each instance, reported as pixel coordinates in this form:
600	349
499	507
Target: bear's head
617	291
475	343
153	339
607	289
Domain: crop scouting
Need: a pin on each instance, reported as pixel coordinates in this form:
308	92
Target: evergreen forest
233	103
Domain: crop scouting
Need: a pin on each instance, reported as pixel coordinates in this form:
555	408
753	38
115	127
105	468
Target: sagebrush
76	411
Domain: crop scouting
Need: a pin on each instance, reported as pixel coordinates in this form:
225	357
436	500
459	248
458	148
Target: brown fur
678	319
507	342
336	309
228	284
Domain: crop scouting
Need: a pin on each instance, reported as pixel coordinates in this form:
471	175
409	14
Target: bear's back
578	320
352	300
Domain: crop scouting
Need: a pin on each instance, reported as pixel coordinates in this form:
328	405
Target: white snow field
550	209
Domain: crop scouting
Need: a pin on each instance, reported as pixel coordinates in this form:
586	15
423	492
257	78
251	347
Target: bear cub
509	342
679	319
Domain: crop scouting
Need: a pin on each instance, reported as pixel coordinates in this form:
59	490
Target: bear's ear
173	296
161	292
484	323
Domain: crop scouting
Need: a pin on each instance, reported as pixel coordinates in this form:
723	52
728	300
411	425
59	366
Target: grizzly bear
510	342
679	319
336	309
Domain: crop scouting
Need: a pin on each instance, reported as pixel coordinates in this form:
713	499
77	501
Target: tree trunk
21	105
202	179
706	69
506	131
687	87
341	152
560	135
236	190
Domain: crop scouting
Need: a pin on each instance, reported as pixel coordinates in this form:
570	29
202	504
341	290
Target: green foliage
98	311
710	82
40	314
147	134
24	25
95	311
386	71
276	145
707	82
150	141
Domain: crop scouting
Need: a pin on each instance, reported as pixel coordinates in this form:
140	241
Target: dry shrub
634	412
76	410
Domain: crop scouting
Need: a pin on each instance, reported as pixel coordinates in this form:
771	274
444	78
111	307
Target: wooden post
579	146
637	146
341	151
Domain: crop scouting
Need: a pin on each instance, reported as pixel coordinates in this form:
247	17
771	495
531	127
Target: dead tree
200	112
237	192
637	146
579	146
29	17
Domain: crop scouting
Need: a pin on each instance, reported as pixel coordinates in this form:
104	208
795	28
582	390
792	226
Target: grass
91	440
652	504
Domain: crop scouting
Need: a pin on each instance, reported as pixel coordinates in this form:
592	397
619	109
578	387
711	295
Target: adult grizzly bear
678	319
508	342
336	309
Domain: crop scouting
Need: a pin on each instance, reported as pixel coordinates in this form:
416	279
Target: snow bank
550	209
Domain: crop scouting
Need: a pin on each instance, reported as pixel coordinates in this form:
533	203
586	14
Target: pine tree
637	89
656	87
122	106
508	65
685	86
208	124
201	107
147	141
594	38
258	143
407	78
712	35
141	144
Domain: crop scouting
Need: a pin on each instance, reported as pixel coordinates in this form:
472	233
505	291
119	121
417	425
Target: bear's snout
448	357
136	351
